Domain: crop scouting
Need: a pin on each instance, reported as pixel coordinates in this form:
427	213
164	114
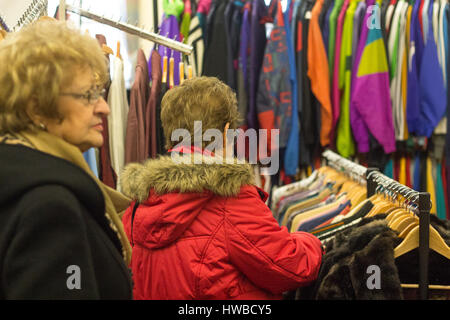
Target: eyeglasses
90	96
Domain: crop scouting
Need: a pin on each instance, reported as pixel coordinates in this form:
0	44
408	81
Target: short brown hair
35	63
205	99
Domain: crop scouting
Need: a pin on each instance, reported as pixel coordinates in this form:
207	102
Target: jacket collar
186	172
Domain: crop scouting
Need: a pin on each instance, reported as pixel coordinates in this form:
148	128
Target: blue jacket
433	94
291	155
415	57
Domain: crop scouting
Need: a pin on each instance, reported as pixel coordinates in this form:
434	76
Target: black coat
53	232
344	271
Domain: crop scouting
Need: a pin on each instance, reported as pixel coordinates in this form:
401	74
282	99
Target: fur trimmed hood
185	174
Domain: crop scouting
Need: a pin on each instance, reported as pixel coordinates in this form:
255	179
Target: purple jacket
370	105
169	28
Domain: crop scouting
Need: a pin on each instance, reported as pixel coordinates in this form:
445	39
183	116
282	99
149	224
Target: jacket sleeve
49	250
270	256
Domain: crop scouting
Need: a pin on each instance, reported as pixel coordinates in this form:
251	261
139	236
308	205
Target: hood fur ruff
187	173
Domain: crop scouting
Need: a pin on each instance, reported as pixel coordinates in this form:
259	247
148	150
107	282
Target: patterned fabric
370	104
274	103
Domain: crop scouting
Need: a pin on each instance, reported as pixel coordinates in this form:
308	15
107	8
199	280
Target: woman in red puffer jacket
199	227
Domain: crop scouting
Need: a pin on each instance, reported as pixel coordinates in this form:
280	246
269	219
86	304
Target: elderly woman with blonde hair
61	236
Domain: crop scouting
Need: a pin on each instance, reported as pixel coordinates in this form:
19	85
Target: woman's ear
32	113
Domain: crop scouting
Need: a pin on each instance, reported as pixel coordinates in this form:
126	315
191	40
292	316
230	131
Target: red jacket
202	231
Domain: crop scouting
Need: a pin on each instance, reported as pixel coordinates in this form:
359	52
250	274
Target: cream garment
389	14
396	44
117	119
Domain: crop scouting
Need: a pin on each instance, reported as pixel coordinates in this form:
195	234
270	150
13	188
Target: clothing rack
423	203
354	170
374	180
129	28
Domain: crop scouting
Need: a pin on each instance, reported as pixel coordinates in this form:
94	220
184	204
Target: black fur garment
345	272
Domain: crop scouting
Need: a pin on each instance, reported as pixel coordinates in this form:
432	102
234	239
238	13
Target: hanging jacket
215	60
257	47
326	31
203	231
332	38
396	52
274	100
318	72
117	119
243	61
414	59
291	154
344	141
152	117
169	28
308	125
196	40
136	149
432	90
370	107
335	91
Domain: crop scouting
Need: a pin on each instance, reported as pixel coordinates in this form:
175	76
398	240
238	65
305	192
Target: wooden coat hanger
181	69
107	50
406	224
411	242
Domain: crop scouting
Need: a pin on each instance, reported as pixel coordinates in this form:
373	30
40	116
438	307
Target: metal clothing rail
423	203
129	28
376	180
344	165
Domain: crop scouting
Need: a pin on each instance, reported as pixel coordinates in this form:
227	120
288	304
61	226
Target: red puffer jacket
202	231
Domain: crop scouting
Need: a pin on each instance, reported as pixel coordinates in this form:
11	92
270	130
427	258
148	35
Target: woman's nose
102	107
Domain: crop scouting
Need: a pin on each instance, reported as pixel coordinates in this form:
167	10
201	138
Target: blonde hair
205	99
35	63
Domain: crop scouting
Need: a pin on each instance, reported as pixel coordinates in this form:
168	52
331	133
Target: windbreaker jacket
370	107
203	231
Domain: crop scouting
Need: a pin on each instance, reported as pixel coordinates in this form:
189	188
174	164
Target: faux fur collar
188	173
